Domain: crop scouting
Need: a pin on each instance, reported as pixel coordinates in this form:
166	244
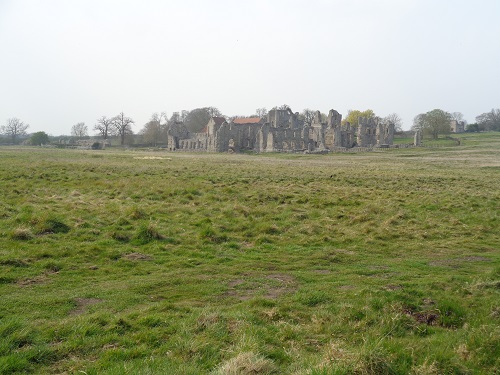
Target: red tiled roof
249	120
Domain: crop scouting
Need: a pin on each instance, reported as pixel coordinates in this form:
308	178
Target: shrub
22	234
246	363
147	233
50	224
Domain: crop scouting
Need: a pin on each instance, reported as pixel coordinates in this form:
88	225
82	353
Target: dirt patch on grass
151	158
429	317
458	262
37	280
474	258
82	303
444	263
137	256
270	286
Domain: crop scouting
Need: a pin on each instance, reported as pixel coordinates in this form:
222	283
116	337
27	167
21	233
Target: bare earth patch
458	262
37	280
151	158
429	317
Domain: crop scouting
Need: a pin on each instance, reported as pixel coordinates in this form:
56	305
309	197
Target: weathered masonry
281	130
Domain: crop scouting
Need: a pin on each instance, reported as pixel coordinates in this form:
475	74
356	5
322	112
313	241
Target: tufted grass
372	263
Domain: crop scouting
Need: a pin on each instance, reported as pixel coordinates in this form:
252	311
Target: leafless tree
489	120
14	128
261	112
79	130
154	130
396	120
458	117
213	111
308	116
104	127
123	126
161	119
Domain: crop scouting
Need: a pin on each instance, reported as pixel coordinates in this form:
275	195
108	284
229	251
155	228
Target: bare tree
155	128
104	127
261	112
14	128
308	116
489	120
213	111
123	126
79	130
396	120
458	117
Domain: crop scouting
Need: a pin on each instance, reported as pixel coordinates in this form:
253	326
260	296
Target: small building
457	126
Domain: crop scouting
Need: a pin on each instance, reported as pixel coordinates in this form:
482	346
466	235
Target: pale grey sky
69	61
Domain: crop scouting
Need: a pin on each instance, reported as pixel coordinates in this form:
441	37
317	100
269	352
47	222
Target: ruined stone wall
279	139
385	133
417	140
457	126
283	132
284	118
246	136
367	132
176	132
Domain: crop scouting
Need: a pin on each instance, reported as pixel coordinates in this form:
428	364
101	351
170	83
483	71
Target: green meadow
148	262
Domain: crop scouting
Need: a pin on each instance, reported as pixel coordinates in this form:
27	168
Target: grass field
136	262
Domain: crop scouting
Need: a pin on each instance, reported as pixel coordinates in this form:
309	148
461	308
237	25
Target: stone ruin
281	131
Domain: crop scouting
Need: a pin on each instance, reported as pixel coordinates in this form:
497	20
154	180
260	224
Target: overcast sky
69	61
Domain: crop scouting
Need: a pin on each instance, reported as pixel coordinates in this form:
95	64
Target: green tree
433	123
39	138
354	115
472	128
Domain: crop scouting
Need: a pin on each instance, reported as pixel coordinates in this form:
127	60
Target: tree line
432	124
